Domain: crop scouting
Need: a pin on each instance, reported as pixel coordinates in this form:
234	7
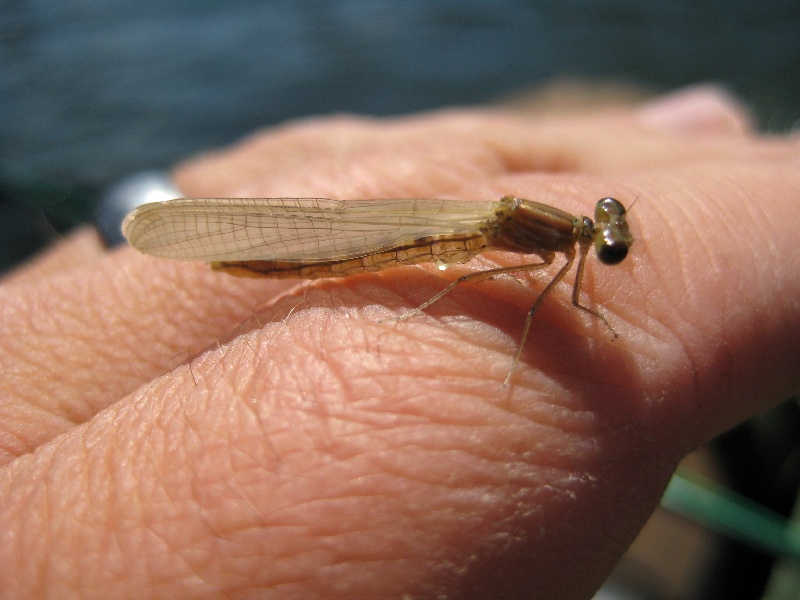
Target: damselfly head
612	239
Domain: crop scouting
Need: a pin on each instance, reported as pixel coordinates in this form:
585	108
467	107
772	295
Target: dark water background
93	90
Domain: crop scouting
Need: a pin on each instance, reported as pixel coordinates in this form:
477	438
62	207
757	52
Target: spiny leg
476	276
537	303
576	290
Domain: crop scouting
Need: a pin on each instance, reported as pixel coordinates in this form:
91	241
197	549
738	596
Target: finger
76	341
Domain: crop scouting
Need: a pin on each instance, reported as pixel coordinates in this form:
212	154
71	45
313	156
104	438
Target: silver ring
125	195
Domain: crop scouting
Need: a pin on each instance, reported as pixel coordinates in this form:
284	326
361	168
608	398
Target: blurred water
91	90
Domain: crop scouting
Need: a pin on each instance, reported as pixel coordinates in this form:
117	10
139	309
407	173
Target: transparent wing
294	229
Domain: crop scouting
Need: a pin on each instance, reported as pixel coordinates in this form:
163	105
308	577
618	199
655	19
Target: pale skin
171	432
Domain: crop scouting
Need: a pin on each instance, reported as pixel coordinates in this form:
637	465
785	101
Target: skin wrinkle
518	160
424	336
458	400
688	284
40	324
98	467
443	171
174	557
304	508
722	356
763	214
435	343
348	341
510	160
27	356
669	333
458	305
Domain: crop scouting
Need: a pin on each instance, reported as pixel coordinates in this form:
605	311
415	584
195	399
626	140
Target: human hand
173	432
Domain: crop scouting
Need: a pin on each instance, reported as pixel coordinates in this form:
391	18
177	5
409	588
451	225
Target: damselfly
314	238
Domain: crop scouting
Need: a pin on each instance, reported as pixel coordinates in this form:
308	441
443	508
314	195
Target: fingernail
697	109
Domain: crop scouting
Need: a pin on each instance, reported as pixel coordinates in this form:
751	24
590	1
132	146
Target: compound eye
608	209
612	252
